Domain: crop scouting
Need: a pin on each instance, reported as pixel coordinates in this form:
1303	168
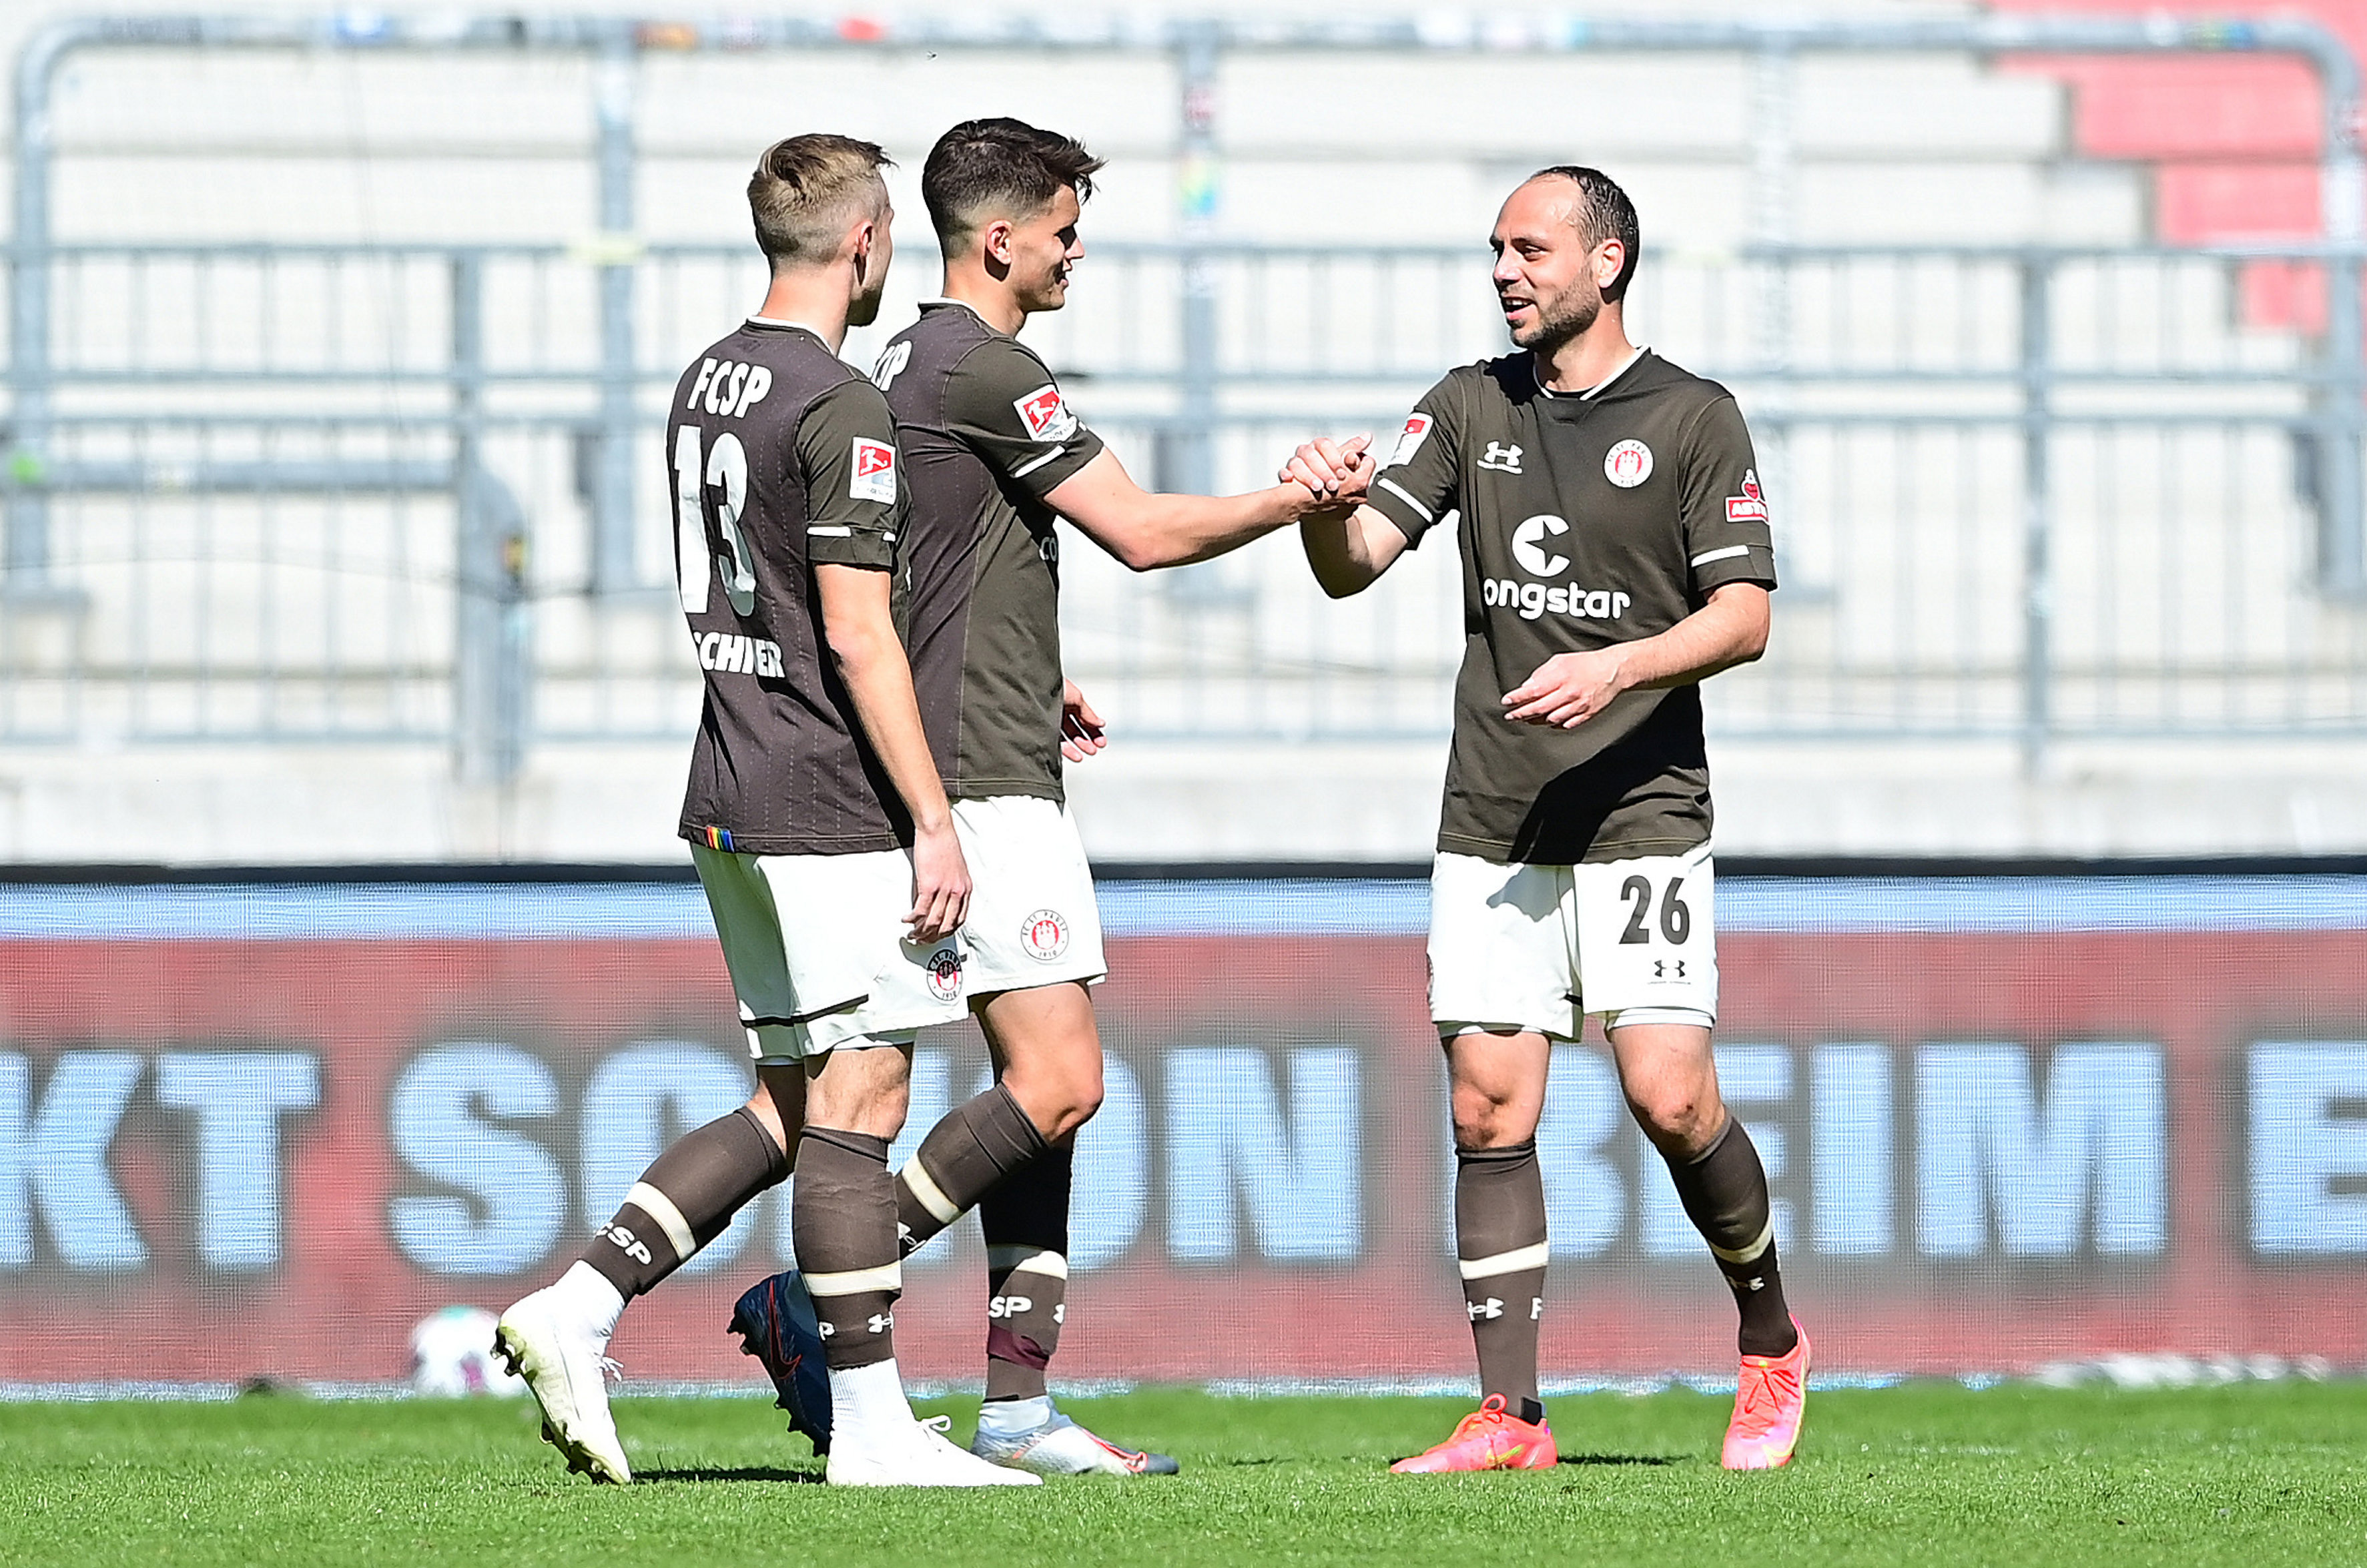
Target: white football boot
875	1442
553	1339
1052	1444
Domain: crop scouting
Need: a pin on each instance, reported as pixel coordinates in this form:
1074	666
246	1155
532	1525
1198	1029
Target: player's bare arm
1570	688
1146	531
1348	544
859	625
1082	732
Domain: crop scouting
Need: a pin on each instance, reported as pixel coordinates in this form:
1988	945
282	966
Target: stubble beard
1570	315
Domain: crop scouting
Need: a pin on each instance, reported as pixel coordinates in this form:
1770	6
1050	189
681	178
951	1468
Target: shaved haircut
808	189
1602	212
985	169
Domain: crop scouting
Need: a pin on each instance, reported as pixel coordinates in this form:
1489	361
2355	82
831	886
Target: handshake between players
870	573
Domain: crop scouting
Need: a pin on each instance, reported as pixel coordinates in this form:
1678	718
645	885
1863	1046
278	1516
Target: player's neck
816	299
1588	360
990	299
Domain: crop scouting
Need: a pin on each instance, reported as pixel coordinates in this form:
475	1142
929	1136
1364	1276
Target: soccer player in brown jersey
819	826
1615	555
997	458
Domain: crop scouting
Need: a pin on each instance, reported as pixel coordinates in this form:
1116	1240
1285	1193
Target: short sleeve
1421	475
1724	508
846	448
1004	405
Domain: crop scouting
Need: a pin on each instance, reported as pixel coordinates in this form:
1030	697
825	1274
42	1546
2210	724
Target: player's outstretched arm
1146	531
1570	688
858	621
1348	544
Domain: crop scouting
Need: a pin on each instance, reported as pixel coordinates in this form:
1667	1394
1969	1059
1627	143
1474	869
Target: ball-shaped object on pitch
452	1355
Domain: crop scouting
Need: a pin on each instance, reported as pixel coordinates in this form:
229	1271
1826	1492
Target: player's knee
1483	1121
1676	1120
1058	1101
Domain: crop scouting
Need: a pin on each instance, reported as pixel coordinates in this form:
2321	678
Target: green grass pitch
2250	1474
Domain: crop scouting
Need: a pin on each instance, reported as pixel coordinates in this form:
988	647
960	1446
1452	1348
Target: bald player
1616	554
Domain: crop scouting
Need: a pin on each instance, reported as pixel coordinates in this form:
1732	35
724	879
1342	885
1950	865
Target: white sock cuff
595	1295
864	1395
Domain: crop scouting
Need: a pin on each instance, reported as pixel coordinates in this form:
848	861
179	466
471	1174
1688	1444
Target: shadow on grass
739	1472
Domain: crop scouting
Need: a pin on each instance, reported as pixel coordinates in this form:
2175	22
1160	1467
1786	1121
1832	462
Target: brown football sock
1724	1191
1026	1218
684	1200
842	1224
1499	1243
978	1142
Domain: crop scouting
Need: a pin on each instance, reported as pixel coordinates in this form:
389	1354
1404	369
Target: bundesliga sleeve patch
1751	506
1045	416
873	476
1410	440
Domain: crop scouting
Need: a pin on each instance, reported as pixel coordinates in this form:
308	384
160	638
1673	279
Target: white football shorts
1032	916
816	948
1540	947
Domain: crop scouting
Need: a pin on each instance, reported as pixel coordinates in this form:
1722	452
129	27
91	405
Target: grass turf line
2251	1474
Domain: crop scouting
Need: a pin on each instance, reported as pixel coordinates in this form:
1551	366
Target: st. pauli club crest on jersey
1045	934
1628	464
1047	417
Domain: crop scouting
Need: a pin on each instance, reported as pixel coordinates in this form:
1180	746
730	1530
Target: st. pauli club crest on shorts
944	973
1045	934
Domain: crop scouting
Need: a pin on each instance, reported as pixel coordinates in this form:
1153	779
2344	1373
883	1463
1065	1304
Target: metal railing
310	492
291	492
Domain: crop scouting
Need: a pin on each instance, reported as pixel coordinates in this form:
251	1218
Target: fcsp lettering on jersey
1531	600
727	387
728	654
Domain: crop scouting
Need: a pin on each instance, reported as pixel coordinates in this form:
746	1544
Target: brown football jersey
986	437
782	458
1585	520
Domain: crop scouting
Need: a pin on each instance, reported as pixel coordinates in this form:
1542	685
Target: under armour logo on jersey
1668	969
1501	458
1492	1307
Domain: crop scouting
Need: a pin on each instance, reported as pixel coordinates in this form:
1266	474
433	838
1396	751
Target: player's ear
996	237
1609	257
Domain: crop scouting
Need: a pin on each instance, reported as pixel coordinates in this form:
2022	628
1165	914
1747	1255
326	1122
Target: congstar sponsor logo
1532	600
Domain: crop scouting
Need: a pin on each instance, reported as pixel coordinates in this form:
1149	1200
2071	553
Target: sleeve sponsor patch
1751	506
1410	440
873	477
1045	416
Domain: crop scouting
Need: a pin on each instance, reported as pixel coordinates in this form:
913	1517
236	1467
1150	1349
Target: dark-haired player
819	829
997	458
1616	554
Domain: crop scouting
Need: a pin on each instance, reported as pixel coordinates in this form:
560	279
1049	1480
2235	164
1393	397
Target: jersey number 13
726	470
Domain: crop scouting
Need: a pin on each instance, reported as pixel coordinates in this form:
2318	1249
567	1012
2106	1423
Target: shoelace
610	1371
940	1425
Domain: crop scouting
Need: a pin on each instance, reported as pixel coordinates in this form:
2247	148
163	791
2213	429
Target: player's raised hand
940	884
1081	727
1569	689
